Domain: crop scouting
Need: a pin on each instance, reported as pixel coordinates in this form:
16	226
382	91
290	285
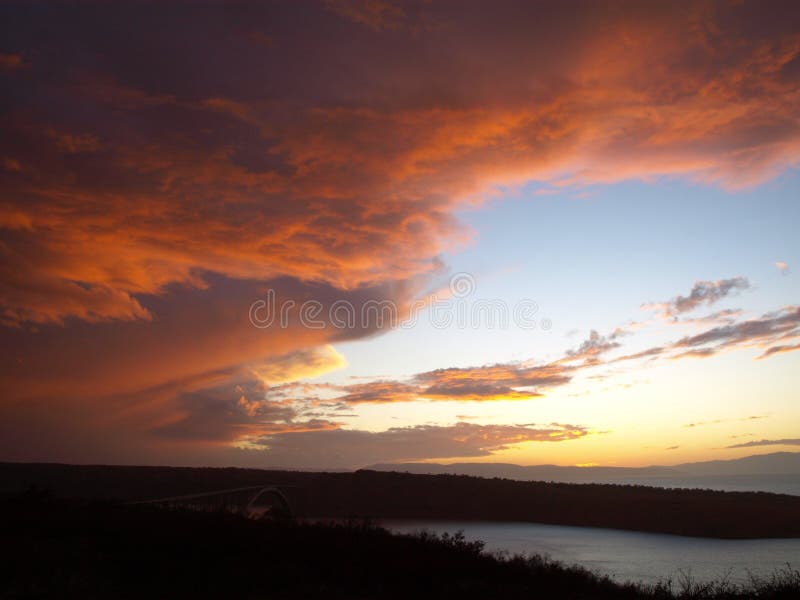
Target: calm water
624	555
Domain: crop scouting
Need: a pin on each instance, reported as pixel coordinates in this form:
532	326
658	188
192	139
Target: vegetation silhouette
376	494
101	549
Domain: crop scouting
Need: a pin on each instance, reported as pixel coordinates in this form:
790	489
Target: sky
329	234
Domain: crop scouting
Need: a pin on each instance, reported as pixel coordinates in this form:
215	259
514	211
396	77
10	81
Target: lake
626	555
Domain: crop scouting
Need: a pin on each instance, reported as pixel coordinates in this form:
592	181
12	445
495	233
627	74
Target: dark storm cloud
160	165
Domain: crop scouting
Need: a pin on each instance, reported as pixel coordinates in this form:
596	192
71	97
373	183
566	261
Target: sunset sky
584	216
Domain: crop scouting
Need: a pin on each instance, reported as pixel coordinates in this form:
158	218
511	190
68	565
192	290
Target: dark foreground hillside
401	495
66	549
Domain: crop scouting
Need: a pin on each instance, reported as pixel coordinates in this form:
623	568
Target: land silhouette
100	549
375	495
778	472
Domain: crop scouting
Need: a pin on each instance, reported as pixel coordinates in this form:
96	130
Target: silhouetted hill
777	463
778	472
402	495
564	474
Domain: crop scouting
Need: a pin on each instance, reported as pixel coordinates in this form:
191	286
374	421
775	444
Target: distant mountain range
776	472
777	463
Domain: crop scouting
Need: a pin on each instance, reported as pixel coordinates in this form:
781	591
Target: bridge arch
254	502
268	501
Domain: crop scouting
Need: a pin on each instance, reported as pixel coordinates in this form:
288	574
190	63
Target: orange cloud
10	61
377	392
375	14
355	448
508	381
520	381
781	349
302	364
495	382
153	186
174	178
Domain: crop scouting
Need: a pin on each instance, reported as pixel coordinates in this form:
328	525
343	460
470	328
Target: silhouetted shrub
60	548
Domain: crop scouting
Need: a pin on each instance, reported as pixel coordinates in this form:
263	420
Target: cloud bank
155	183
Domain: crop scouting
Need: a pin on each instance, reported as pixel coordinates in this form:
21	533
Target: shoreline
392	495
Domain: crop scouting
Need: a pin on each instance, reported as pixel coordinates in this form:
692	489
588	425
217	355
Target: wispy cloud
348	448
377	15
718	421
779	349
782	442
378	392
782	267
703	293
760	332
504	381
528	380
595	346
766	332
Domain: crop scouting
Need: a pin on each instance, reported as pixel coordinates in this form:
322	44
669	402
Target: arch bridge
254	502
